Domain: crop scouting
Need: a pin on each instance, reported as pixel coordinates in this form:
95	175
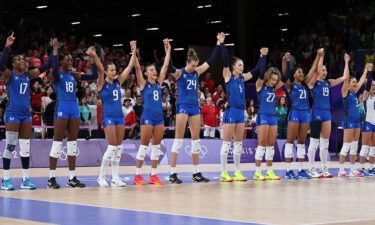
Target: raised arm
335	82
344	89
260	68
140	79
91	51
287	71
124	75
41	69
164	68
314	66
366	92
224	54
202	68
4	71
315	74
362	79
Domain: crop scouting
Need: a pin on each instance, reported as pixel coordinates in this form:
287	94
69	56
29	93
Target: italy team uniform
67	104
267	107
234	113
152	106
352	118
300	110
369	125
112	107
321	110
18	106
187	102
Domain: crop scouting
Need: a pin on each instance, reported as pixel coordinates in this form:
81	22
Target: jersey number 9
115	95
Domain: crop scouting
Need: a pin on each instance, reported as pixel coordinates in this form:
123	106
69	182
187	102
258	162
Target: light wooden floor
319	201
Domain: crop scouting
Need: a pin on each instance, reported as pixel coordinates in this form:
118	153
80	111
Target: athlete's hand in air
369	66
91	51
133	46
286	57
167	45
10	40
320	52
264	51
347	57
221	37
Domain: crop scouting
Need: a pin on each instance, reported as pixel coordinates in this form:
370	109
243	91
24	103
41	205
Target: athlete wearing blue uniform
267	106
17	114
351	120
187	109
109	87
235	91
152	118
300	110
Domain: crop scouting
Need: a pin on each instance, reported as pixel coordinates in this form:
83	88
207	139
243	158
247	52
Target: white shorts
209	131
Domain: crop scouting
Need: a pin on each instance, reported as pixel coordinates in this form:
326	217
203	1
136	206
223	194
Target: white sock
237	155
324	145
173	170
257	168
154	171
341	168
352	167
300	165
223	162
72	174
52	173
287	166
103	167
312	151
371	167
269	168
195	169
138	171
6	174
25	173
115	168
225	145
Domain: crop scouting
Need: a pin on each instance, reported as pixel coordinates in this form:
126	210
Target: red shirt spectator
209	113
99	111
209	83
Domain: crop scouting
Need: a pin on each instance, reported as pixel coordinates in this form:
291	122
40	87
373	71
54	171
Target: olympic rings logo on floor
64	155
203	151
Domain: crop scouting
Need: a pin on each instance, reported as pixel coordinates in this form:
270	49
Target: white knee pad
372	151
11	142
353	148
259	152
56	149
117	155
155	152
195	146
288	153
225	146
142	152
314	143
270	152
237	149
176	147
72	148
364	150
24	147
109	153
345	149
301	151
324	144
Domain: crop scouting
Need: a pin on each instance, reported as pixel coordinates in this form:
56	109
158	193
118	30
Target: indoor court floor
319	201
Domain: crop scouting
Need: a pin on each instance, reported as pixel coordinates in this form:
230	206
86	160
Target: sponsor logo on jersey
59	114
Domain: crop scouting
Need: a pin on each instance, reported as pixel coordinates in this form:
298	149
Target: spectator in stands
130	117
209	113
170	80
47	98
85	112
138	108
129	98
281	114
251	121
209	83
36	96
167	110
48	115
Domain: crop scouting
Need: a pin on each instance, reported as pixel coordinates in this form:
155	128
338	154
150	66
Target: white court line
138	210
338	222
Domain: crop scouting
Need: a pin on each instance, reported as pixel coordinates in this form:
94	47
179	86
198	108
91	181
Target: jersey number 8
156	95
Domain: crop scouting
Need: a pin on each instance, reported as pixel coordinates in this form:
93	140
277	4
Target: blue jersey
152	105
320	95
350	106
300	97
111	100
18	89
236	92
188	88
267	100
65	87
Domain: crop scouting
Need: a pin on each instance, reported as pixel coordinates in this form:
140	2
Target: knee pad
324	144
259	152
364	151
142	152
195	146
270	152
288	152
109	153
155	152
345	149
72	148
353	148
117	155
24	147
11	138
176	147
315	129
237	149
372	151
225	146
56	149
314	143
301	151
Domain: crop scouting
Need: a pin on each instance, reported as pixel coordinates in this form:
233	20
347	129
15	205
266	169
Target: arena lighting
207	6
179	49
98	35
135	15
283	14
153	28
229	44
215	21
41	7
76	23
170	40
118	45
284	29
227	34
200	6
